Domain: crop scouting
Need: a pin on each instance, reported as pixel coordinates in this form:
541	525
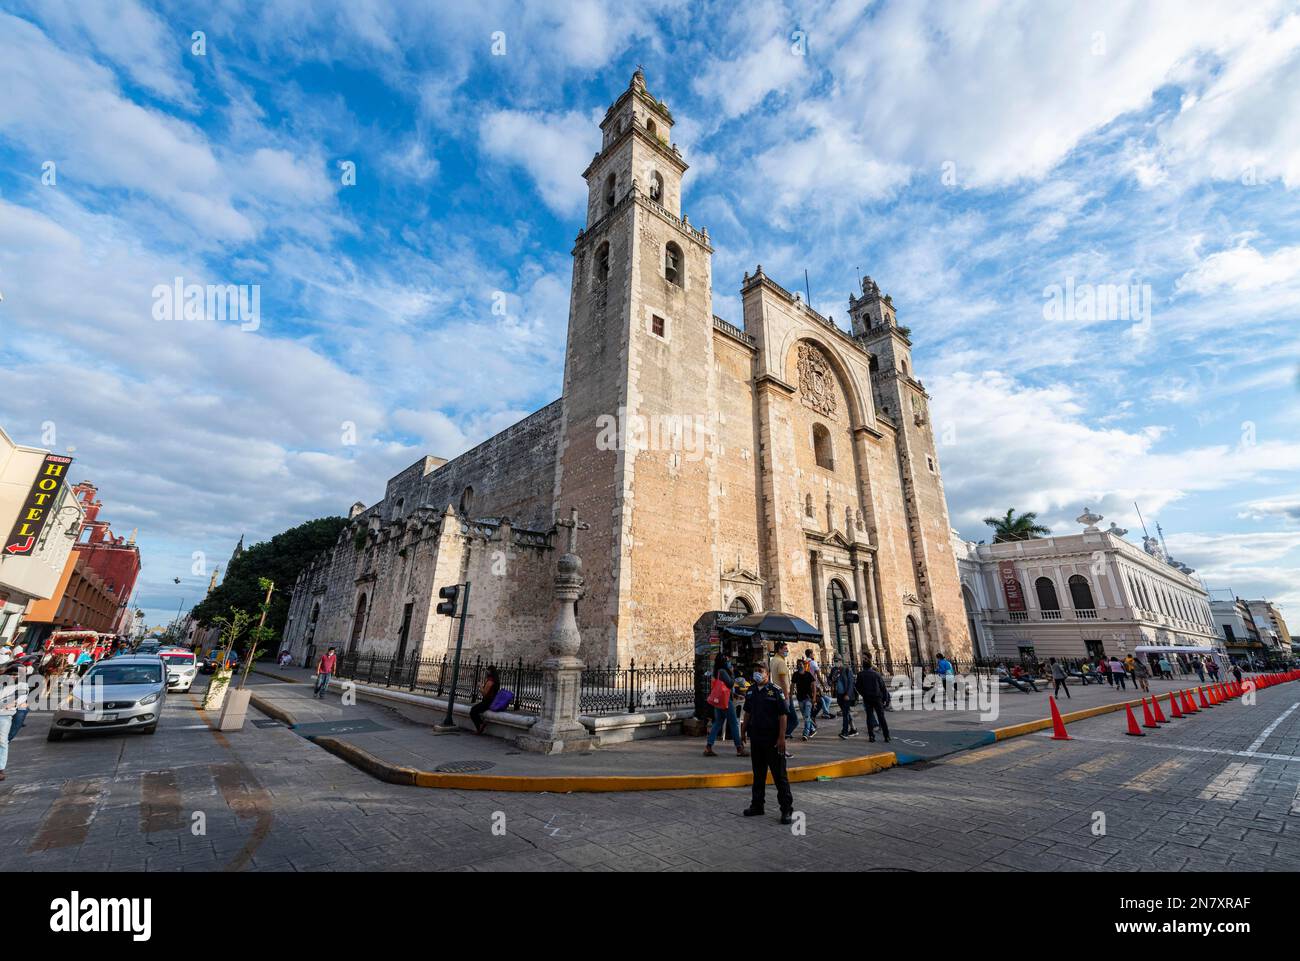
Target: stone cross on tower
574	525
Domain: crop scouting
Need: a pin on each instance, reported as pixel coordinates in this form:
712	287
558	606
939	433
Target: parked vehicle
120	694
182	666
210	661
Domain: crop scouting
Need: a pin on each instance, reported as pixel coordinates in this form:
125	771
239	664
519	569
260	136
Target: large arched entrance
972	625
840	634
358	625
914	642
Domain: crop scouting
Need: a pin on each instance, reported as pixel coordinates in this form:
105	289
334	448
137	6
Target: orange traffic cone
1133	729
1058	726
1147	719
1155	707
1173	705
1204	703
1213	697
1189	706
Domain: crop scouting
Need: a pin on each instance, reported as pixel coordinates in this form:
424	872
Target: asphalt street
1220	791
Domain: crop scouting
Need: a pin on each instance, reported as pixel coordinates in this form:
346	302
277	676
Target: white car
182	666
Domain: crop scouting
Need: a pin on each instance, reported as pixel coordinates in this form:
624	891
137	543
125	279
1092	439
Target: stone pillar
558	728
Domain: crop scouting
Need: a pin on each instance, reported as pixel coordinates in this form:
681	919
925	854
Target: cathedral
769	462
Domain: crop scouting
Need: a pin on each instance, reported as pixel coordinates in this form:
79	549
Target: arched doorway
741	606
914	642
840	635
358	625
968	600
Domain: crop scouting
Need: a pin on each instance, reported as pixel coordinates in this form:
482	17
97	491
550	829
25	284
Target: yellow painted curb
565	784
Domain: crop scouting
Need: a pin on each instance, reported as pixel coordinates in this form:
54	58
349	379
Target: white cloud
1242	269
552	148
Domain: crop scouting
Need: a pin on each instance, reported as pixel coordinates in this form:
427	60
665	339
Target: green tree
1023	527
280	559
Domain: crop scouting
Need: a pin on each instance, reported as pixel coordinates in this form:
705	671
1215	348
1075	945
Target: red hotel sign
1011	586
36	509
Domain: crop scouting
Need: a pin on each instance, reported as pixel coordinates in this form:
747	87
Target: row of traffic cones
1181	703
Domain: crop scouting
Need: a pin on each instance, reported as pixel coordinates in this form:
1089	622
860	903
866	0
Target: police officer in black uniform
765	713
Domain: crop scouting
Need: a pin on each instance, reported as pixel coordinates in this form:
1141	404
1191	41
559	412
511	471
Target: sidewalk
391	747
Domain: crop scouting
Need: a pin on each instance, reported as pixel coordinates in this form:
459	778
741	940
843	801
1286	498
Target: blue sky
968	157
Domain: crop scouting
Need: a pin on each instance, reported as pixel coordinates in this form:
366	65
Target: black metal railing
432	675
609	689
604	689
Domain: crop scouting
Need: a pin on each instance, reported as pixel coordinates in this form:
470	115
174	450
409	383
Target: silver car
118	694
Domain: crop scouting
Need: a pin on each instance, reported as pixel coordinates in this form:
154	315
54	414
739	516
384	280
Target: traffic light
850	609
449	596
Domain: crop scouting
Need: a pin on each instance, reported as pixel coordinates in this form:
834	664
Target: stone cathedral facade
776	462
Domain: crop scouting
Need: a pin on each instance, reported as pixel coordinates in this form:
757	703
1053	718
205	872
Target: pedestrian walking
803	689
11	695
488	692
1117	672
1214	671
724	683
1236	673
1103	665
875	695
1141	675
780	676
845	694
325	668
1199	667
821	700
1058	679
764	727
1166	669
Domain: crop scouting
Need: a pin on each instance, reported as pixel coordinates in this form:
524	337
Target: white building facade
1079	595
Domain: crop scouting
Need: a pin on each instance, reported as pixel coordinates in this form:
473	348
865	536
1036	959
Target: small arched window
807	505
602	263
650	127
674	264
1047	594
656	186
611	185
1080	593
822	450
466	501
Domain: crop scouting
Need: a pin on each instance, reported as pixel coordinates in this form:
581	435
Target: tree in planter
261	634
232	628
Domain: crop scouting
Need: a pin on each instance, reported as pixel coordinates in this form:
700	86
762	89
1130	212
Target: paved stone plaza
1217	791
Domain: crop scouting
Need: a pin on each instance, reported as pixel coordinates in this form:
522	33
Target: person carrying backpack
841	680
724	682
871	686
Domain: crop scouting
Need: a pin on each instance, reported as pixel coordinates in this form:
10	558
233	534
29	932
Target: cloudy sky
975	159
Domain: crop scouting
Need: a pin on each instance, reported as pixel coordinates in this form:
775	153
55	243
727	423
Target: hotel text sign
36	509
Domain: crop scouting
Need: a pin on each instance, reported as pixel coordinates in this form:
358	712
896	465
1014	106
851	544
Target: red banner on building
36	509
1011	586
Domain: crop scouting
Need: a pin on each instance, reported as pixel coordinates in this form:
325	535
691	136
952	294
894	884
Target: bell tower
636	440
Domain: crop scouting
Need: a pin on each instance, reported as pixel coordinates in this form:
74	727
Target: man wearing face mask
765	718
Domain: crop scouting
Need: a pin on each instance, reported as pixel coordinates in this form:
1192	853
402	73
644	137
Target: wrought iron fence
609	689
604	689
433	675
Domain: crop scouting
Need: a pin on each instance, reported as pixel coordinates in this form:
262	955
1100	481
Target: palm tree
1013	528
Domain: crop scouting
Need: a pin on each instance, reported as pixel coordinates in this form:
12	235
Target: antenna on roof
1140	520
807	289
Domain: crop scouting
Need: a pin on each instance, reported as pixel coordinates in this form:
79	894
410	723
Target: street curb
569	784
278	677
272	711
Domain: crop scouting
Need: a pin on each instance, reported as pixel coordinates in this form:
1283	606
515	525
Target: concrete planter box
234	710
